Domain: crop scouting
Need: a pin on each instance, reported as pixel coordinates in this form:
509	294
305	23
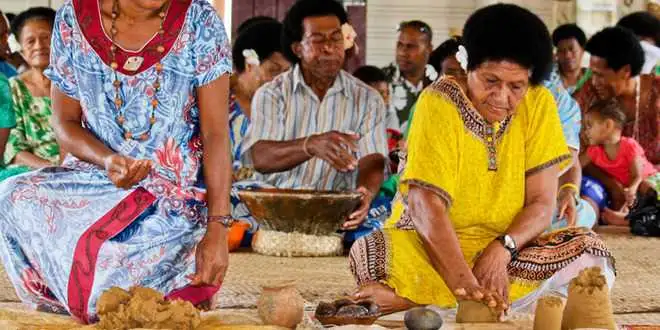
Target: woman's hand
358	217
471	290
490	269
125	172
567	207
211	256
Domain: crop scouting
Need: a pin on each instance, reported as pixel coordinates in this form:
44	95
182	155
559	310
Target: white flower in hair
349	36
431	73
251	57
14	45
462	57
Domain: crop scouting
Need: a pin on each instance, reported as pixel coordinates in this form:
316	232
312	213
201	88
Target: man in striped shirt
316	126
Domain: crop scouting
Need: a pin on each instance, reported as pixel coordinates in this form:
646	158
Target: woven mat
636	289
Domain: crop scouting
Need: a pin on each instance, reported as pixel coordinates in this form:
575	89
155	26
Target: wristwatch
509	244
225	220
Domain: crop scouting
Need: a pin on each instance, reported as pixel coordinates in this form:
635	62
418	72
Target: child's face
384	89
596	129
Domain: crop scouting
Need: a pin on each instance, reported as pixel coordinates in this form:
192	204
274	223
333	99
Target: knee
368	258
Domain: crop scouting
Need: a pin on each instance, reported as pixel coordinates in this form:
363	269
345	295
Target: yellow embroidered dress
479	170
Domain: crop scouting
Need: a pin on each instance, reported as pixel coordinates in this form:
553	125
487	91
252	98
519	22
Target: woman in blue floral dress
134	108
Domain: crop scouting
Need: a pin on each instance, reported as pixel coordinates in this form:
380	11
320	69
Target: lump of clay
421	318
371	306
145	308
588	304
548	313
325	309
111	300
353	311
475	312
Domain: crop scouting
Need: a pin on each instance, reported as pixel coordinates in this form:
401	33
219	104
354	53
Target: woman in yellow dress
479	184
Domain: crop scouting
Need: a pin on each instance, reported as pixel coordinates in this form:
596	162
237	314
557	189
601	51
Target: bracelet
225	220
571	186
305	147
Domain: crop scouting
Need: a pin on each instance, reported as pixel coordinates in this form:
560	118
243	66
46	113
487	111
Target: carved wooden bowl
303	211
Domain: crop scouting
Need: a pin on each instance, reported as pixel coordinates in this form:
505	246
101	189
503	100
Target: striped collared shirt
287	109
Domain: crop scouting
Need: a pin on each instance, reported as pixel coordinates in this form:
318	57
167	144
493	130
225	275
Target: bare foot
387	300
615	218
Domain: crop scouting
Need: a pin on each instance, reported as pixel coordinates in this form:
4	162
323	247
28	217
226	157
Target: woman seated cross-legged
479	184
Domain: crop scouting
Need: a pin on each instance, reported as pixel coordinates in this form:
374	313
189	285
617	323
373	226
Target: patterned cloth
483	192
648	122
238	126
68	233
32	133
7	69
287	109
404	94
7	115
585	74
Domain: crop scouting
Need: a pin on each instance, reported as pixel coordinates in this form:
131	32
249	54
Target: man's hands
338	149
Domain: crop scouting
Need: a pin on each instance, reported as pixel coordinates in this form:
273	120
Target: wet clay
589	304
144	308
475	312
548	313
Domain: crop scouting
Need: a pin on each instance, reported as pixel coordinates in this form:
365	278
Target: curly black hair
569	31
292	30
34	13
509	32
446	49
10	17
643	24
609	109
254	20
262	37
619	47
369	74
417	25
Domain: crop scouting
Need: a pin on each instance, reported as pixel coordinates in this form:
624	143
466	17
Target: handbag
644	218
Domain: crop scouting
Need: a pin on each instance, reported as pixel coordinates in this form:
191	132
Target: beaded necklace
133	64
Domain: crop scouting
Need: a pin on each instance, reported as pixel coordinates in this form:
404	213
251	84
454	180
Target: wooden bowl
339	321
303	211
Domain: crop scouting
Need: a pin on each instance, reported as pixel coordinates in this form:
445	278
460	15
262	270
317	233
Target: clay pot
281	304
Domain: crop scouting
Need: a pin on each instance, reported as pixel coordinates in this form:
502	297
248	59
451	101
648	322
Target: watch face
508	242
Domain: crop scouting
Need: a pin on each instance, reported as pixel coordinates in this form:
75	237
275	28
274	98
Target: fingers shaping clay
475	312
589	304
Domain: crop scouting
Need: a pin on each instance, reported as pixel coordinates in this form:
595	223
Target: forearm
371	172
217	174
431	220
278	156
635	182
574	174
531	222
540	204
79	142
30	160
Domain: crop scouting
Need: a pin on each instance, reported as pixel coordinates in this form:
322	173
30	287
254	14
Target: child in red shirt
620	157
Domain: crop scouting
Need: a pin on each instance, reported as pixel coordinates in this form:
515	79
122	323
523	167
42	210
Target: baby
620	157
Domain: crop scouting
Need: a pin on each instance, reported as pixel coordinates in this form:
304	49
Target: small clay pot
281	304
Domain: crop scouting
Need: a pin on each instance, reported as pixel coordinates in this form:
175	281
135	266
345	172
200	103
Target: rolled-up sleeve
373	129
267	120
